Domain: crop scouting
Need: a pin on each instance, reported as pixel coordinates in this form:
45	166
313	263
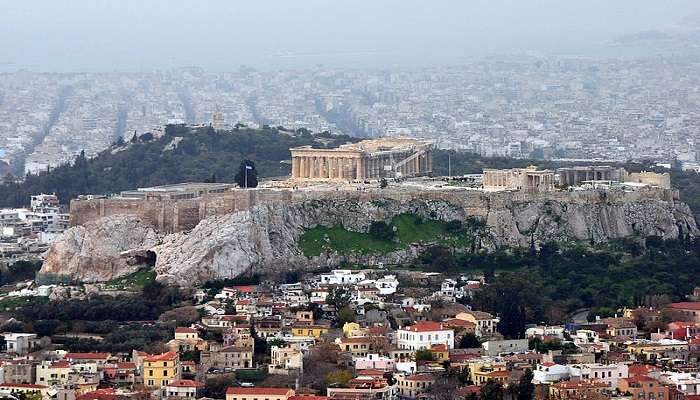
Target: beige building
650	178
529	178
368	159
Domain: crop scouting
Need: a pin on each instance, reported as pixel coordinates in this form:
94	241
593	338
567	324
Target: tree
526	389
340	377
383	183
381	230
247	176
424	355
339	297
491	390
469	341
346	314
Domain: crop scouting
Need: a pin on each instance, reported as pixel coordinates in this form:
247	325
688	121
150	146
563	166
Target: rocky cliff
264	237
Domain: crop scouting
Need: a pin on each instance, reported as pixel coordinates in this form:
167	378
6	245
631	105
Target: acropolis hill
232	231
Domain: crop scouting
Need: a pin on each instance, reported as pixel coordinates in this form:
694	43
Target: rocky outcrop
98	251
264	237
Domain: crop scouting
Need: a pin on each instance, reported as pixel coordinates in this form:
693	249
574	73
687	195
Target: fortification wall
173	216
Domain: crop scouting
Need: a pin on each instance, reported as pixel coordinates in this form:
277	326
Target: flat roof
183	187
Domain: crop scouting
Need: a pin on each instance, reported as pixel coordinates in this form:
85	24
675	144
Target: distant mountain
183	154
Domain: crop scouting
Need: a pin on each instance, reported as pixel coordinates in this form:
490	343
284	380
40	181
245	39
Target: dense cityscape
561	108
312	200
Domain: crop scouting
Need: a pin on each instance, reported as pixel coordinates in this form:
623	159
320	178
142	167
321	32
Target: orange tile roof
169	356
186	383
425	326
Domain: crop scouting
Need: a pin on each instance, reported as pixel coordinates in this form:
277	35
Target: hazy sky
89	35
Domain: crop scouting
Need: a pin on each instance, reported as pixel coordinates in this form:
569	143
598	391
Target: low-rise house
688	309
486	324
411	386
621	327
186	339
341	277
644	388
577	389
123	373
227	357
654	350
506	346
162	369
424	335
97	358
184	388
387	285
549	372
375	362
18	372
368	385
686	382
20	343
608	373
357	346
285	358
544	331
315	331
255	393
53	373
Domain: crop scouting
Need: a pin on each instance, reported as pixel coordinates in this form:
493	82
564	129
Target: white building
341	277
544	330
549	372
608	373
424	335
387	285
20	343
686	382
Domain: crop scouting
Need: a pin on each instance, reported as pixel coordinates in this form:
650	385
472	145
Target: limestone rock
93	252
264	237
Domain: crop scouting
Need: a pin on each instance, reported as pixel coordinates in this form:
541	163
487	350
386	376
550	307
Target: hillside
182	154
187	154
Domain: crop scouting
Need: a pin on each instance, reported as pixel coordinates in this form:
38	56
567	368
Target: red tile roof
425	326
370	372
687	305
421	377
186	383
310	397
258	391
182	329
23	385
169	356
86	356
60	364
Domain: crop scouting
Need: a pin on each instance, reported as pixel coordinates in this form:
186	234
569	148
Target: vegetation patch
409	229
137	279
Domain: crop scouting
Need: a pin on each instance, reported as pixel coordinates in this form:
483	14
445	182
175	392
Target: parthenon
368	159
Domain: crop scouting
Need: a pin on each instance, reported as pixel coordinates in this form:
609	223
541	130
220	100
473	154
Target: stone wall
169	216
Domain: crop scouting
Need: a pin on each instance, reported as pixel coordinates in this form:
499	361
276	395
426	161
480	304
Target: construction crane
394	166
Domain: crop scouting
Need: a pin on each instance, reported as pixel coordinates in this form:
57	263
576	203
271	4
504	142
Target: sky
142	35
